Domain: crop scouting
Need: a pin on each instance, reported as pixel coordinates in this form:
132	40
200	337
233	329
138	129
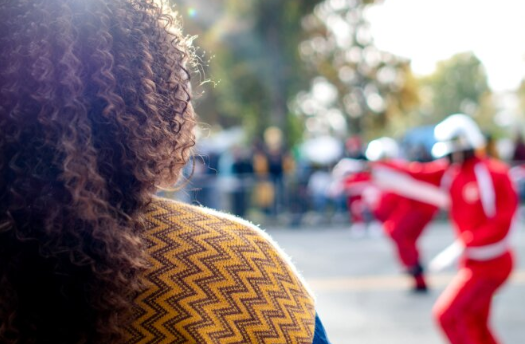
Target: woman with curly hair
95	115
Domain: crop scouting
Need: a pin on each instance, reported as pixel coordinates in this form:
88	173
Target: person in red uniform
403	218
404	226
483	202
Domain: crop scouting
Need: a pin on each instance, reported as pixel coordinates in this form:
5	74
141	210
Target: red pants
405	228
463	309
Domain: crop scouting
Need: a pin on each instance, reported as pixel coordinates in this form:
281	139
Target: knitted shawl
215	278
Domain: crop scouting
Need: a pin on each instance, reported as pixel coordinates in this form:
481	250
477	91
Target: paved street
363	298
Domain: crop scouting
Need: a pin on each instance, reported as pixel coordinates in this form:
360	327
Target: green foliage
520	93
374	88
459	85
254	65
259	56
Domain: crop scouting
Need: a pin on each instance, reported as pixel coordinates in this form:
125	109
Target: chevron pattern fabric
217	279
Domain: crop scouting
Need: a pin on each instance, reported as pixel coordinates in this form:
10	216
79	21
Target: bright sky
427	31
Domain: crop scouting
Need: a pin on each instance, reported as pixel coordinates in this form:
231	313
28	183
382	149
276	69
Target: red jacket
483	201
481	215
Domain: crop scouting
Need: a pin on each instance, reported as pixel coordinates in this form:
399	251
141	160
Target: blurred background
285	89
288	88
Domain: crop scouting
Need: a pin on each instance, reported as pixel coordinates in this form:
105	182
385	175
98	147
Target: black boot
417	273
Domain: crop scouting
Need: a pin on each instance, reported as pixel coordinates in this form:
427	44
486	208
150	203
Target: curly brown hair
94	114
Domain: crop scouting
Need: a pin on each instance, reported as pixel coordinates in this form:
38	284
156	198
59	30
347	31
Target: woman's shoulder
178	216
196	224
216	266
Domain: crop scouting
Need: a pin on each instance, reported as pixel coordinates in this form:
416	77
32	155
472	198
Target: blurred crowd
305	185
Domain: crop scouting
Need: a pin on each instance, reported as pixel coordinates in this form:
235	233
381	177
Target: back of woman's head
94	113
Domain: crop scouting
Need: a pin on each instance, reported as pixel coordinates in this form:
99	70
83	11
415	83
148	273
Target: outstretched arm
418	181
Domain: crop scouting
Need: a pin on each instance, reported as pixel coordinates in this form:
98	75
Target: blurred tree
520	93
459	84
368	88
255	67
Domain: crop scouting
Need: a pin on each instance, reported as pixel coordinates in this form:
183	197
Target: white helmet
457	133
382	148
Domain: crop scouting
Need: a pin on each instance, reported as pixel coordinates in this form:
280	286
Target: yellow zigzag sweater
217	279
